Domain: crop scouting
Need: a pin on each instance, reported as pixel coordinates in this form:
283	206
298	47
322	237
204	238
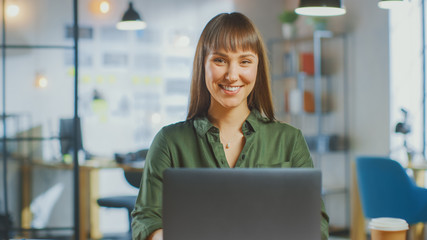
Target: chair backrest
385	188
141	154
134	177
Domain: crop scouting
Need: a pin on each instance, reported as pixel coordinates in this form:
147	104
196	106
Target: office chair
133	178
387	191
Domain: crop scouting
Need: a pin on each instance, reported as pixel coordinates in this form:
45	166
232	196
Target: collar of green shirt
203	125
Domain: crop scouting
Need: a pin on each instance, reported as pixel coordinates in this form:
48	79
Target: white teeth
228	88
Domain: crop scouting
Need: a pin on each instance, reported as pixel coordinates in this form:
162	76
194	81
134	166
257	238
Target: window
406	80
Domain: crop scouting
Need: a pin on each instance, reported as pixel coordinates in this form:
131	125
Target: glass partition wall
38	89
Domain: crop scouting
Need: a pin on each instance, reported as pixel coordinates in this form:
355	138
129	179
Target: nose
232	73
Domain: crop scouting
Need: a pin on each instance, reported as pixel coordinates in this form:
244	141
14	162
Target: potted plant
288	18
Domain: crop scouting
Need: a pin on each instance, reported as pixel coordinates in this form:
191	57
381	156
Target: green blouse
196	144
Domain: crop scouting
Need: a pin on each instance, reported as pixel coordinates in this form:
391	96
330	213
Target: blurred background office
133	82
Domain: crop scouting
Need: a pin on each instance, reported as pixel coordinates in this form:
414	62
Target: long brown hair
230	31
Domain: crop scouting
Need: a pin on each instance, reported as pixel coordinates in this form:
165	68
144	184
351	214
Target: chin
231	105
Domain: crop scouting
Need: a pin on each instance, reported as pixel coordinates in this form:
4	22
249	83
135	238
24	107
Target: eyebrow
241	56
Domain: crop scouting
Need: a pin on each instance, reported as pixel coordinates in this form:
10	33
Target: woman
230	122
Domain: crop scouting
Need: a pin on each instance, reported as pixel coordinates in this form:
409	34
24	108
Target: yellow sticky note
112	79
86	79
158	80
100	79
135	80
146	80
71	72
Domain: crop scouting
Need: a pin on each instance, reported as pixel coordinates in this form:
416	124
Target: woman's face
230	77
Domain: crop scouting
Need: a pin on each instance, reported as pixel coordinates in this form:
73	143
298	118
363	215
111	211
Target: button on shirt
196	143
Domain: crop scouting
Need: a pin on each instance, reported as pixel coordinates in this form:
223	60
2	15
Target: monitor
66	134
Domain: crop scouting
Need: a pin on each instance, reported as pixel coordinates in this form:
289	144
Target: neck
228	119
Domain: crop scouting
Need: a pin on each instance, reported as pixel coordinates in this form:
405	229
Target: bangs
232	34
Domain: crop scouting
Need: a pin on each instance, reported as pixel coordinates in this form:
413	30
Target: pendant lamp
389	4
131	20
320	8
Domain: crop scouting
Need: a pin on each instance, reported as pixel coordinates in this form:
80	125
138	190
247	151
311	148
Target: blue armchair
387	191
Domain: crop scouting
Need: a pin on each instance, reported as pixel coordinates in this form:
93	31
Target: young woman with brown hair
230	122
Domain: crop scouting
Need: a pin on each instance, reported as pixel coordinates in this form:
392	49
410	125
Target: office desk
419	170
358	219
89	192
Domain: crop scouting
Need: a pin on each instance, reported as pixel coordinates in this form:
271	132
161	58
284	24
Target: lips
230	88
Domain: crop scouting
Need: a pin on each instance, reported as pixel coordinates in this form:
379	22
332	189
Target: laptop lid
241	204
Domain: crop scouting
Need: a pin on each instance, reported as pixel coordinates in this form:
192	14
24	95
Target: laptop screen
212	204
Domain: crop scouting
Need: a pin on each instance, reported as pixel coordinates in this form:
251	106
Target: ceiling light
390	4
131	20
320	8
41	81
104	7
12	10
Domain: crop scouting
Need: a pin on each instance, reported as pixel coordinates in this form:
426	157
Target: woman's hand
156	235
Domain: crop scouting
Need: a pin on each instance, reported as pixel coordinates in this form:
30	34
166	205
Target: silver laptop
241	204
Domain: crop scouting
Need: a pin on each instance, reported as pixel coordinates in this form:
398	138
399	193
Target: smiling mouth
230	88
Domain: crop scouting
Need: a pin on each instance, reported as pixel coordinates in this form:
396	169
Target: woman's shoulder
278	126
177	128
175	134
282	124
270	125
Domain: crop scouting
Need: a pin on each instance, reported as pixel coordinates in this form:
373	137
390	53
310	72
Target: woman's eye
246	61
219	60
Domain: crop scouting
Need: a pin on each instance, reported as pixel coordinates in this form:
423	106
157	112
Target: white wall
368	74
367	31
369	88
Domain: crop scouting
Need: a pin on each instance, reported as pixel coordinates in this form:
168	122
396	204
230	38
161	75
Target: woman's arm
147	215
301	158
